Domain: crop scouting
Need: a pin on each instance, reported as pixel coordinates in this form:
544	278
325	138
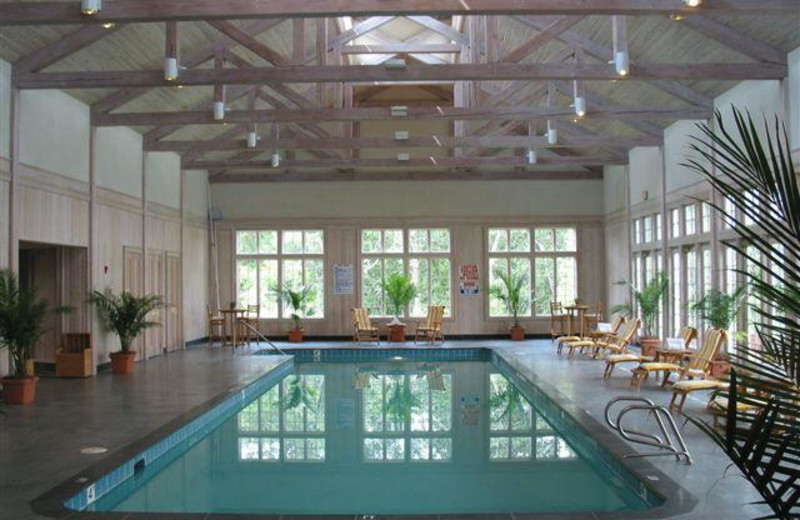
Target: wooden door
132	283
172	300
154	336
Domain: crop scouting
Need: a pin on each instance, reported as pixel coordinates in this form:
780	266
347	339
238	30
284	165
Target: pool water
385	437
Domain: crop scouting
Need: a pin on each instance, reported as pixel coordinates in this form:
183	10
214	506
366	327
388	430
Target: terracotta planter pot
122	363
720	368
296	335
649	346
19	391
517	333
397	333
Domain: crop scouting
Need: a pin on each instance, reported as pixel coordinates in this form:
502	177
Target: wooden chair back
253	311
435	317
628	332
712	341
616	323
556	309
361	319
687	334
76	342
210	314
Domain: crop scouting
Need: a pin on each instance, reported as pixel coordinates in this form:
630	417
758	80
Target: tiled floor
40	444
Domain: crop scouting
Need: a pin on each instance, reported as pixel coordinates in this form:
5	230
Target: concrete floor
40	444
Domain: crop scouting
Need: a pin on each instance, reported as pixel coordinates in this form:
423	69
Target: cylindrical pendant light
580	106
219	110
552	134
91	7
533	157
621	63
252	139
276	159
170	69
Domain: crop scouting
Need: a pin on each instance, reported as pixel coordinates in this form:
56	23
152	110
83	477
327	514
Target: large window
407	417
423	254
266	259
287	423
516	431
509	253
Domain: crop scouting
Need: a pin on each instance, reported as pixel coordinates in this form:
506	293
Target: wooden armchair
216	327
431	328
364	329
698	365
74	357
557	318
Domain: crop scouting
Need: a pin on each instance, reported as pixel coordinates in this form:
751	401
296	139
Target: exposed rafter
44	13
289	175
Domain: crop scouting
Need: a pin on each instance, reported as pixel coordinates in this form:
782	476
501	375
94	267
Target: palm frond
125	314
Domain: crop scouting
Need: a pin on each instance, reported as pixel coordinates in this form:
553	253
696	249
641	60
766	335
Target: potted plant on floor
298	301
647	302
510	291
720	310
22	320
400	291
125	315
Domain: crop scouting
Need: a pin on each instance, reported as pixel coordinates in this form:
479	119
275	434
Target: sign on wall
469	280
343	279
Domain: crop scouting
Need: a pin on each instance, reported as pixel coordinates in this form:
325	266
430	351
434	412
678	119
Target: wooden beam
283	175
360	29
412	73
735	39
300	143
402	48
47	13
440	28
545	35
298	41
62	47
430	162
249	42
382	114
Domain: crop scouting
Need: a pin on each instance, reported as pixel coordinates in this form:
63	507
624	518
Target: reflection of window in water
408	417
517	432
286	423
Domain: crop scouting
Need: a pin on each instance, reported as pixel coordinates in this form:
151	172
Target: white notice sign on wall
343	279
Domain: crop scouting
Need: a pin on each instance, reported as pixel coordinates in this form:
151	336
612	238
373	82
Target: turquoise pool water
384	437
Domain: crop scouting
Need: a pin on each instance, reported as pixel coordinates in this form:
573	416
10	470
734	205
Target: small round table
231	316
572	310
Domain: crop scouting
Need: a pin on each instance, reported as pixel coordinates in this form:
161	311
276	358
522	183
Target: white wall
793	95
163	178
195	193
678	138
54	133
409	199
615	188
645	173
119	160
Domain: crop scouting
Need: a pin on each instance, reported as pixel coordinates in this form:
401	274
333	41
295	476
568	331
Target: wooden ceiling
317	79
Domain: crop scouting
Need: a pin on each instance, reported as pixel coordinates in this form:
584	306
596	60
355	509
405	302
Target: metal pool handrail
660	413
262	337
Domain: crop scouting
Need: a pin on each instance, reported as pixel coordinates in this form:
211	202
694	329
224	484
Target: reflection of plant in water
506	397
400	402
298	392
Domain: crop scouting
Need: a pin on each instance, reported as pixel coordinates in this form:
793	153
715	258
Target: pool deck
40	445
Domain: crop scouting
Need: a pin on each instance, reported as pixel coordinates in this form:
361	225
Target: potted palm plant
126	316
647	301
400	291
510	292
720	310
22	320
297	299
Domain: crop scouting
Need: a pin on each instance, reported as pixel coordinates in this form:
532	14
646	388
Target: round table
231	316
572	310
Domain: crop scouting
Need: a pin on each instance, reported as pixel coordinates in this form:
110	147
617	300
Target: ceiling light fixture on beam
403	157
401	135
399	111
91	7
693	3
619	27
252	139
276	159
532	156
171	67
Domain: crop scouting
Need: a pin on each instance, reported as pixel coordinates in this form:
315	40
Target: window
408	417
555	267
730	210
675	283
637	231
705	217
675	222
423	254
279	426
266	259
689	219
648	229
659	231
516	431
692	285
509	252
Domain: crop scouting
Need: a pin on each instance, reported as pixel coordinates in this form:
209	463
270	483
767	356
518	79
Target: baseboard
196	342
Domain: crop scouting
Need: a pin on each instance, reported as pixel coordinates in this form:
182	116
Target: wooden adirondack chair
688	334
364	329
698	366
431	328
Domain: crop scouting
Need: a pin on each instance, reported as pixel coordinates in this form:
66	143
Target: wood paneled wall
470	314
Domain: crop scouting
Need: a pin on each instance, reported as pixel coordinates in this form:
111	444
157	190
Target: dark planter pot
122	363
19	391
296	335
649	346
517	333
720	368
397	333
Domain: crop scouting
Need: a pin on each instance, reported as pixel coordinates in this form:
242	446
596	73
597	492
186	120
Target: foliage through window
269	258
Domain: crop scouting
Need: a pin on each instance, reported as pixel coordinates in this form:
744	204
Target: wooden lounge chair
688	334
594	335
431	328
615	344
364	329
698	366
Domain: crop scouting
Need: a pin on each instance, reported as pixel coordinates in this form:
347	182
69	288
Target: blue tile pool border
73	498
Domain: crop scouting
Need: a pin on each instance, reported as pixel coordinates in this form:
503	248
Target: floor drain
95	450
